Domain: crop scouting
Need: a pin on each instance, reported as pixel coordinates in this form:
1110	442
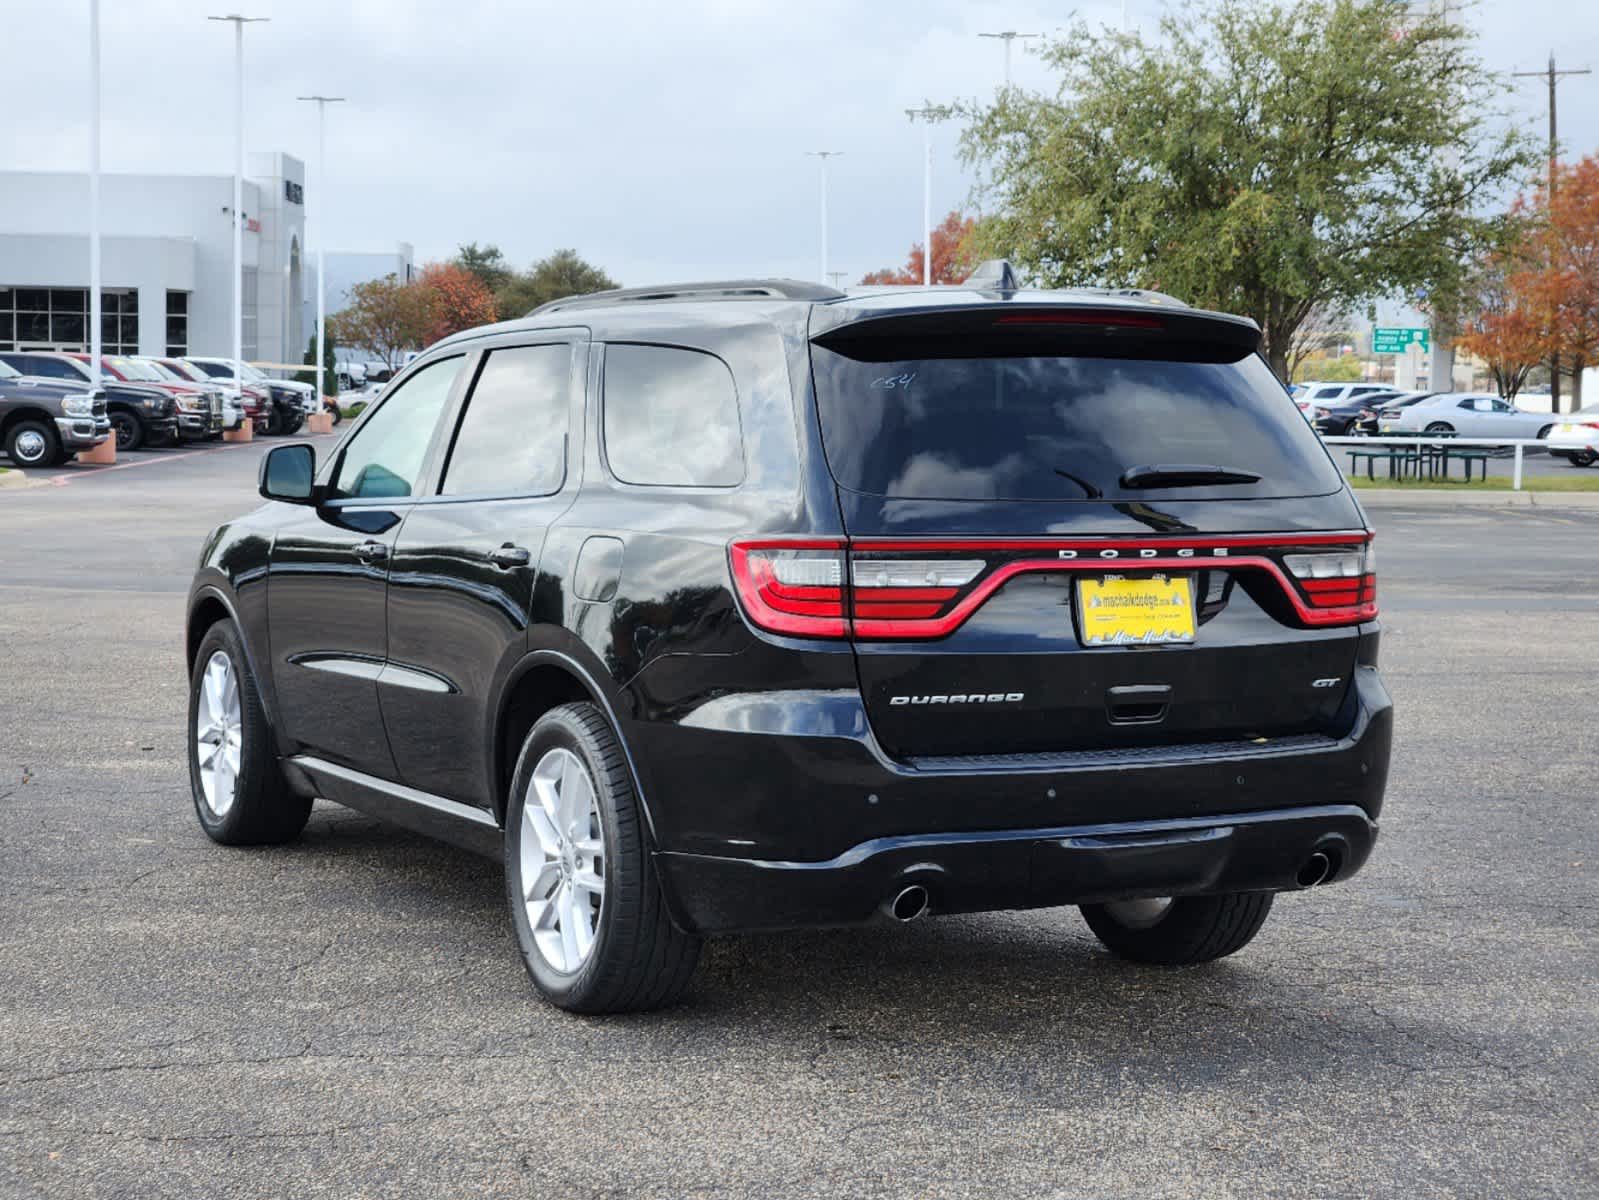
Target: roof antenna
995	275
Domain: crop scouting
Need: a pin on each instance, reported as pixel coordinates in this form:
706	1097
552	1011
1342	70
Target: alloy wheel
219	733
561	859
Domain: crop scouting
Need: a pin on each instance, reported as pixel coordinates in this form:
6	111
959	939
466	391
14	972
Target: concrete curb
1405	498
16	477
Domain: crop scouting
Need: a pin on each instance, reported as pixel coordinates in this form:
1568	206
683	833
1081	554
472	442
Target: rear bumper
1026	868
792	816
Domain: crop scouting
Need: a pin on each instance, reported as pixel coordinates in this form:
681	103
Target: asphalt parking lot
347	1017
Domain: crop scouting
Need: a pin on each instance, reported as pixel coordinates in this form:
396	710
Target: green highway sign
1395	340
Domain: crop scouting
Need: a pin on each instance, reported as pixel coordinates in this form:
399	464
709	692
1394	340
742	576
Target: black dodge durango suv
758	605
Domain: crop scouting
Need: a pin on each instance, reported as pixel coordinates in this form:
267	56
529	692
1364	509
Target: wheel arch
209	604
27	413
542	680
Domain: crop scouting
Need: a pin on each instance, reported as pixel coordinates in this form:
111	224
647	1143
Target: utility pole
322	103
927	114
1009	36
1554	75
238	191
824	155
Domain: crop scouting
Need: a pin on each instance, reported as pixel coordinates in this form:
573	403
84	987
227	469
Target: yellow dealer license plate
1116	610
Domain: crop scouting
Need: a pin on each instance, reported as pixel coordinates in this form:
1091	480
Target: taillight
1339	585
891	594
794	587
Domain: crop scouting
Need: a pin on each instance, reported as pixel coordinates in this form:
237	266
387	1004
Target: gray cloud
663	140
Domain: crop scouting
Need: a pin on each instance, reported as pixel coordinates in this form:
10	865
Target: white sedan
1469	415
1577	437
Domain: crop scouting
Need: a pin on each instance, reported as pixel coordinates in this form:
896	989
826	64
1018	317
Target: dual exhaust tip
912	901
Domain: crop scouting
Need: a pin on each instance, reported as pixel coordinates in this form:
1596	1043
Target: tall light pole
322	103
824	155
95	305
238	190
1009	36
927	114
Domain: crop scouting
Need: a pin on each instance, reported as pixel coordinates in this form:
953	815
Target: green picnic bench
1399	459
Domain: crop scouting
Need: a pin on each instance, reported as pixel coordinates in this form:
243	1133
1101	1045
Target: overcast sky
663	139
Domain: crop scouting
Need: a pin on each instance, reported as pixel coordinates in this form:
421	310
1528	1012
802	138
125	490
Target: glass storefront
34	318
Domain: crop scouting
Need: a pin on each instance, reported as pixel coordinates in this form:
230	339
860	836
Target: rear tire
240	794
1440	427
1191	929
586	904
34	444
1545	432
1584	458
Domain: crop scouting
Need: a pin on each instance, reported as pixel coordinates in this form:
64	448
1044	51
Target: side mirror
288	473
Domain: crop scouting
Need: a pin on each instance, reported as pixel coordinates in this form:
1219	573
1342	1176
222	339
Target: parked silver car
1468	414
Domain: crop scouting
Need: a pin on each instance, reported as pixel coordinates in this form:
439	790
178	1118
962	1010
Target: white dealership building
167	262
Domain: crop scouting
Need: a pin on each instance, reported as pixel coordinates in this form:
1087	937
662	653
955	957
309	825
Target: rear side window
512	439
1059	427
671	418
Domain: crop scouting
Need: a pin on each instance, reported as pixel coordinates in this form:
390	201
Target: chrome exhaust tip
908	904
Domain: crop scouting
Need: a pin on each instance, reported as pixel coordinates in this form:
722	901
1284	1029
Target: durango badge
974	698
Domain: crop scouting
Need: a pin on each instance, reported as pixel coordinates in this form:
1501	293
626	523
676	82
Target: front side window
671	418
384	458
512	438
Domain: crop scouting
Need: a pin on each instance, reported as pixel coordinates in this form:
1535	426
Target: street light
1009	36
322	103
927	114
95	346
824	155
238	190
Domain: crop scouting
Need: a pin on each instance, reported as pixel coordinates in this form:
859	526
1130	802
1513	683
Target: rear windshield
1060	428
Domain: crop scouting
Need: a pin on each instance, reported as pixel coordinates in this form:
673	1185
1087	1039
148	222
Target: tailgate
1027	571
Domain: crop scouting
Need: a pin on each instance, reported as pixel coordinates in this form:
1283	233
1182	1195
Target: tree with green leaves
330	372
1266	157
486	262
564	273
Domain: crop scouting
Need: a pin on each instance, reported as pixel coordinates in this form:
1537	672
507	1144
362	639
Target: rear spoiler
1081	328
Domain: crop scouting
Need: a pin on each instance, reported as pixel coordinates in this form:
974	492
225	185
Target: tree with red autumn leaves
1537	295
1507	333
456	299
1561	281
953	259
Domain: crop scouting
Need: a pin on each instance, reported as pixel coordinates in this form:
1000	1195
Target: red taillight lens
1340	586
798	588
794	587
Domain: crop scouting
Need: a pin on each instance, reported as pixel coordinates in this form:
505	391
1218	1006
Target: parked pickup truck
45	421
141	414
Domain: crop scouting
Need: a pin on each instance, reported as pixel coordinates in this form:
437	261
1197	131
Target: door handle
509	556
371	551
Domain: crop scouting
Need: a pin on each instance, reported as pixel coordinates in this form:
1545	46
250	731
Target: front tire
586	904
33	444
129	431
1545	432
240	794
1181	930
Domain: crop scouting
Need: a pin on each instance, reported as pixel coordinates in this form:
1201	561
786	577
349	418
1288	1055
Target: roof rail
729	289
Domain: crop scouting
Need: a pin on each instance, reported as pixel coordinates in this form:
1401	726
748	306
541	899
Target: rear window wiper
1183	475
1089	490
